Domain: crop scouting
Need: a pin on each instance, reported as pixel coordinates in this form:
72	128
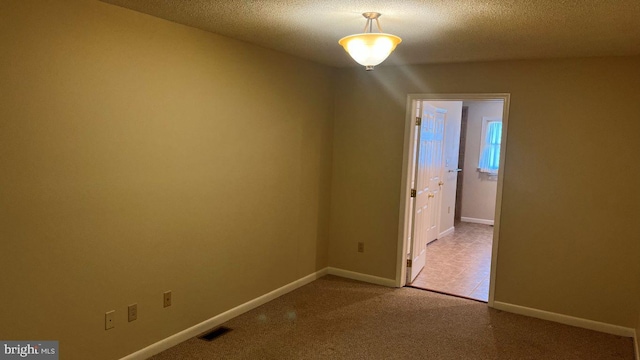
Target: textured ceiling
433	31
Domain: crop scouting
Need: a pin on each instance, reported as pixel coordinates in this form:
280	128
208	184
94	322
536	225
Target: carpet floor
336	318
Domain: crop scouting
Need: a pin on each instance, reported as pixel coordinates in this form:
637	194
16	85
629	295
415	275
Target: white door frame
405	194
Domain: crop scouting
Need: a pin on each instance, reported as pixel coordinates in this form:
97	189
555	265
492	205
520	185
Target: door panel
428	174
420	216
435	160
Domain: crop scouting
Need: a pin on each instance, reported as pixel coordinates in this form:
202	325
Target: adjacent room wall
478	189
140	156
569	229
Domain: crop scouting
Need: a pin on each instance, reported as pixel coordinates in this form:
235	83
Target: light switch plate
132	312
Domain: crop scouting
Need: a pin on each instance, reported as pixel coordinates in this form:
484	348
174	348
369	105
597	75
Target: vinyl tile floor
459	263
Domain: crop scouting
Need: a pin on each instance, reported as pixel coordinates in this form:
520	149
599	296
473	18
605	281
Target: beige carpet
335	318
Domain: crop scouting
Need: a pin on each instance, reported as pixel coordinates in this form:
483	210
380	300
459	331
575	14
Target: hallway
459	263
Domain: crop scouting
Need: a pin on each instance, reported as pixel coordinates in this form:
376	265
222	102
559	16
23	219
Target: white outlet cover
109	321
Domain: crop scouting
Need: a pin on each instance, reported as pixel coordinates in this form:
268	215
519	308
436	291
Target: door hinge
413	193
418	121
408	262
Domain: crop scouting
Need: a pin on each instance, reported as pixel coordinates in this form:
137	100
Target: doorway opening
452	178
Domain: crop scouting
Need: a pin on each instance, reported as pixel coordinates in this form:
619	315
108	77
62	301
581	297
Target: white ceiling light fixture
370	49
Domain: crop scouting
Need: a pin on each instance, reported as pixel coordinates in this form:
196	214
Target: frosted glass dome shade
369	49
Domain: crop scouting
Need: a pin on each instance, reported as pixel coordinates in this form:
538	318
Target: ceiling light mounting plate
371	15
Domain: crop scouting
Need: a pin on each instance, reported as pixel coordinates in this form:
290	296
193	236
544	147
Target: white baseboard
446	232
221	318
362	277
566	319
477	221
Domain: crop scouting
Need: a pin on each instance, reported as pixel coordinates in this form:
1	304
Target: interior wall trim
635	342
405	184
567	320
217	320
362	277
477	221
446	232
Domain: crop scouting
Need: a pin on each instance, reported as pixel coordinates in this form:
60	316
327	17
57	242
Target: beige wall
478	189
139	156
569	229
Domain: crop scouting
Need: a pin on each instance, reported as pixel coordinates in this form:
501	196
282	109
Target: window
489	161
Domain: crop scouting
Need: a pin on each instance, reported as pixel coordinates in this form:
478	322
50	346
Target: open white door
413	266
426	189
435	161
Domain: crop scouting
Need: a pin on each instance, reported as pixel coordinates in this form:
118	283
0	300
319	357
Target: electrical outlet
109	319
132	312
360	247
167	298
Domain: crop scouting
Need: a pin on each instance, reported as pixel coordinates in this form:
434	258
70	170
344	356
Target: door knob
441	183
431	195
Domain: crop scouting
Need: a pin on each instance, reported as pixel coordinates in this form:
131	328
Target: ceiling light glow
370	49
